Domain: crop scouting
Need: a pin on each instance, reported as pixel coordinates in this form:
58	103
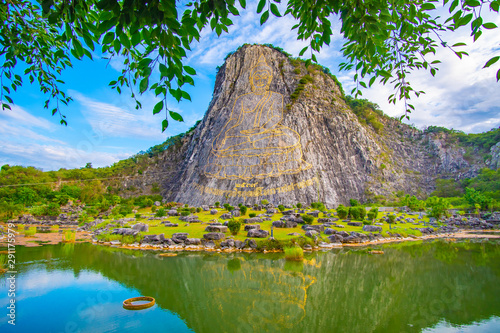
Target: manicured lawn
197	230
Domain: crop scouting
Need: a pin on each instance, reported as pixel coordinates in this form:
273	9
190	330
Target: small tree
353	202
234	226
217	204
243	210
354	213
372	214
281	208
160	212
299	205
361	212
308	219
264	202
342	211
392	219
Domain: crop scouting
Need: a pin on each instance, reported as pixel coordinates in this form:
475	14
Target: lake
430	286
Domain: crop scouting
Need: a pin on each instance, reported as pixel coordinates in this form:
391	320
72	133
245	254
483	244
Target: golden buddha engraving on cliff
253	143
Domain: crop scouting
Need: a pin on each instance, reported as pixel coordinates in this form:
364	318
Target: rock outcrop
279	131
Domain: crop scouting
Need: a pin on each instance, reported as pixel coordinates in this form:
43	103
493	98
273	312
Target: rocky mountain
278	130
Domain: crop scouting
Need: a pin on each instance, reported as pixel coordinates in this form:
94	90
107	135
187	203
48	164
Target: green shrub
243	210
54	228
137	216
252	215
198	209
308	219
185	213
373	213
153	209
69	236
217	204
293	253
31	231
299	205
354	213
342	211
234	226
281	208
160	212
264	202
361	212
229	208
353	202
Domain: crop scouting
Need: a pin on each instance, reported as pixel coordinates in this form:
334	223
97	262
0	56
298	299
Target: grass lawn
197	230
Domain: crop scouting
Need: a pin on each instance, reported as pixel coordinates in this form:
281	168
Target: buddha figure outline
253	143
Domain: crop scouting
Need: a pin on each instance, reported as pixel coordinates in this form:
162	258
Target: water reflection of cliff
405	290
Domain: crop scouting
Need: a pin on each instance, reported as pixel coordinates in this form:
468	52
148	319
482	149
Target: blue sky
104	127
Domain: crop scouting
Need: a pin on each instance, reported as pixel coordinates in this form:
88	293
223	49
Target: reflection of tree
334	292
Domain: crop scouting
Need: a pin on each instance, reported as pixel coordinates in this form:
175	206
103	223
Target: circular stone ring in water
128	303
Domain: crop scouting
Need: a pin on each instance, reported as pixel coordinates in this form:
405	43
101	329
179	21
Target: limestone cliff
279	131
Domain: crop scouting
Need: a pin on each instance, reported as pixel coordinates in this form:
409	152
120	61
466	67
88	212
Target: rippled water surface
414	287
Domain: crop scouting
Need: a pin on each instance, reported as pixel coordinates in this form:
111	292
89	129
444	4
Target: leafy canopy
384	40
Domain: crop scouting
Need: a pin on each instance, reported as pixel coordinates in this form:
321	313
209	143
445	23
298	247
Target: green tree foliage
372	214
413	203
308	219
342	211
353	202
437	207
234	226
243	210
474	198
382	40
281	208
447	188
368	113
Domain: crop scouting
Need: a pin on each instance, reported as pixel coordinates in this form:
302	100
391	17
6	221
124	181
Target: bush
137	216
318	205
161	212
293	253
234	226
54	228
185	213
229	208
342	211
264	202
198	209
361	212
354	213
31	231
153	209
308	219
353	202
217	204
69	236
299	205
252	215
373	213
281	208
243	210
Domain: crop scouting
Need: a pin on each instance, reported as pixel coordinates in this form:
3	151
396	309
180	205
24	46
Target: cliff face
279	131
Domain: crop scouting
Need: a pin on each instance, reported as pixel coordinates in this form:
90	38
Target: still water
433	286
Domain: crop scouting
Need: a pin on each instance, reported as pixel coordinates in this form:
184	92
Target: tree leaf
489	25
189	70
275	10
175	116
260	6
164	125
428	6
143	86
243	4
264	17
491	61
158	107
301	53
185	95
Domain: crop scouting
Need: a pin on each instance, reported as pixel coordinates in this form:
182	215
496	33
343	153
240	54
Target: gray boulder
253	220
172	212
252	227
141	227
216	228
192	241
214	236
257	233
355	224
251	243
329	231
236	213
336	238
311	233
226	216
372	228
214	211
